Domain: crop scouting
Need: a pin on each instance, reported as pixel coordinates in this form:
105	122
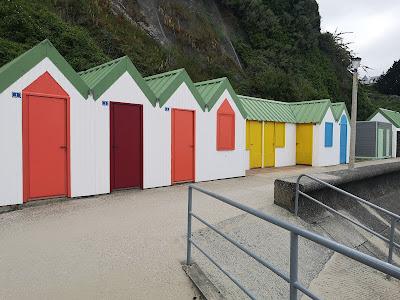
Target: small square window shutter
328	134
280	135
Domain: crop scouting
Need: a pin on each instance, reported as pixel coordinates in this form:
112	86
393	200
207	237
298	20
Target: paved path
129	244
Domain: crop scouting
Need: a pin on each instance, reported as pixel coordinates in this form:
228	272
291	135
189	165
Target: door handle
63	147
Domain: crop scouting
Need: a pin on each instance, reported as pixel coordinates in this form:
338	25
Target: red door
126	145
45	140
183	145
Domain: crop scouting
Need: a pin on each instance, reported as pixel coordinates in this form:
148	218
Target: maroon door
126	145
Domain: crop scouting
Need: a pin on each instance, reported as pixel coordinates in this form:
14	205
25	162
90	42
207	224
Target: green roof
310	111
337	110
391	115
267	110
211	91
165	84
15	69
100	78
259	109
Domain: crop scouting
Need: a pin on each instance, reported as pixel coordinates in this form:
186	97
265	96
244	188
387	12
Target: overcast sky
375	27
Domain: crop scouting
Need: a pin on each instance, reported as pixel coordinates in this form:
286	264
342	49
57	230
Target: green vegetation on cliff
283	54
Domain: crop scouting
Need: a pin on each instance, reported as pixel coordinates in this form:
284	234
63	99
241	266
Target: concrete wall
213	164
81	137
380	118
369	182
287	156
326	156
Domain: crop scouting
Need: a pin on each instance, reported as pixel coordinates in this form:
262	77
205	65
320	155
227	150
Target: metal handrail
394	217
295	232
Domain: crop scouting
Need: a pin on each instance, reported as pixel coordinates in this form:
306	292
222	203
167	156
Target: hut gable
165	84
391	115
12	71
338	109
101	77
211	91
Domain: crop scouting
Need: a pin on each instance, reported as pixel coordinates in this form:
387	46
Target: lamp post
355	64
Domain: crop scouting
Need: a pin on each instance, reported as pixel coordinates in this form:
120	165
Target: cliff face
268	48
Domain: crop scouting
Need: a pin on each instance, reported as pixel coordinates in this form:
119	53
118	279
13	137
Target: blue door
343	139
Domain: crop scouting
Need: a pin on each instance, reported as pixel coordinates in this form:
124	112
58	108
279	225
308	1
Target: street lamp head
355	62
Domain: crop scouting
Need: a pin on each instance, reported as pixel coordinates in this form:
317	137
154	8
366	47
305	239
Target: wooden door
47	147
183	145
269	144
126	145
254	143
343	139
304	144
45	134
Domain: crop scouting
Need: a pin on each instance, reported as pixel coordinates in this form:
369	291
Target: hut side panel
81	153
322	155
213	163
286	156
182	98
125	90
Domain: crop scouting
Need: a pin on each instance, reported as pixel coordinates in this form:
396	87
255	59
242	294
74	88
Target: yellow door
269	144
253	142
304	143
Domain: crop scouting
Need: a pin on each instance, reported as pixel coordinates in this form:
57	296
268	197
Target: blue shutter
328	134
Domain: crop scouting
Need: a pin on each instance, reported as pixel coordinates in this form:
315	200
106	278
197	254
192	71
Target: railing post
294	253
391	239
189	228
296	200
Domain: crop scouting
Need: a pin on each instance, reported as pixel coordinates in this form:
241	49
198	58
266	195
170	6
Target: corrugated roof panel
160	82
94	75
207	89
310	111
267	110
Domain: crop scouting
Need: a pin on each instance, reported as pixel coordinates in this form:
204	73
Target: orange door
45	132
183	145
47	147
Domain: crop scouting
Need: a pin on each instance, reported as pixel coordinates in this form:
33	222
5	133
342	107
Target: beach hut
343	127
182	126
373	140
126	127
392	117
317	141
270	133
223	130
46	129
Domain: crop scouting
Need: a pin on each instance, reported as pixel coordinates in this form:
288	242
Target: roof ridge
391	110
310	101
95	68
262	99
205	82
163	74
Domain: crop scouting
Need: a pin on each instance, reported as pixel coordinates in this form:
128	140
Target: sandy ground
126	245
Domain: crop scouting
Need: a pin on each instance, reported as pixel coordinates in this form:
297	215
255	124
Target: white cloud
374	27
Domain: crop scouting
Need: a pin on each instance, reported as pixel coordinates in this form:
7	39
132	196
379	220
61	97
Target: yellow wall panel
304	142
